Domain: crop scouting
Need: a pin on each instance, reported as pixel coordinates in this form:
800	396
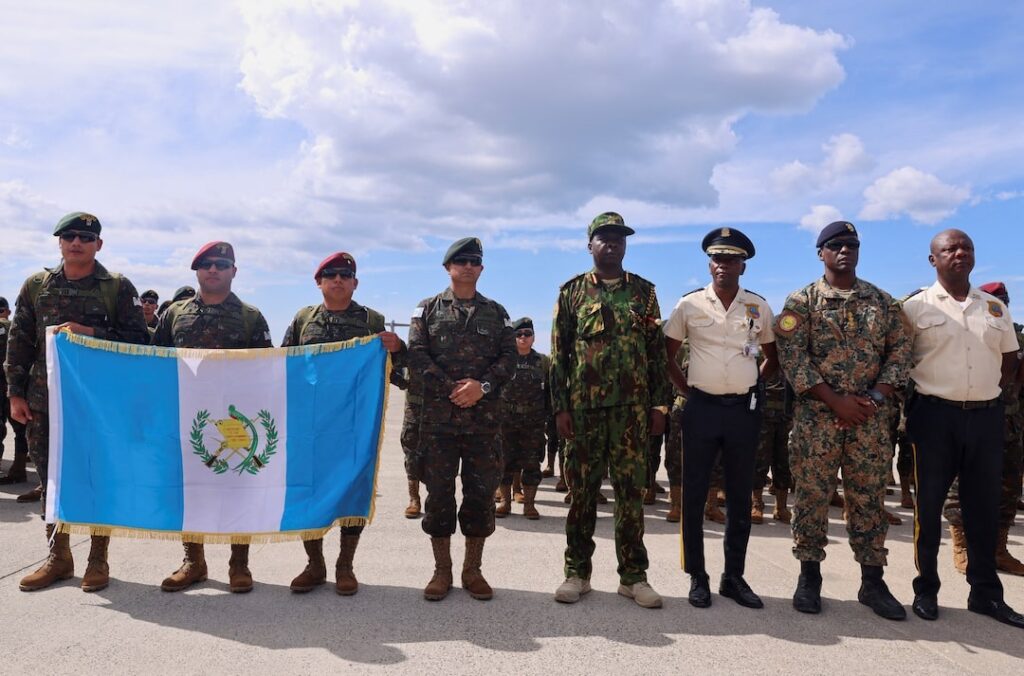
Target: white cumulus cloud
820	216
844	155
910	191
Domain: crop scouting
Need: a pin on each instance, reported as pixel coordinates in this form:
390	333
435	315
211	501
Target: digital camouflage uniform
451	339
316	324
527	409
773	444
17	470
607	370
852	341
58	300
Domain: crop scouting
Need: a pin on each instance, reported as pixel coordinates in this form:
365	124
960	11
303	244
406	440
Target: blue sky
389	129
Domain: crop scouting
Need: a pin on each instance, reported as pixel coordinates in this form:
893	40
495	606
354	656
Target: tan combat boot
239	577
504	507
893	519
837	500
97	573
781	512
757	506
1005	561
441	582
58	565
345	579
193	569
517	487
959	548
649	495
712	512
906	497
675	504
472	579
34	495
529	509
315	572
414	508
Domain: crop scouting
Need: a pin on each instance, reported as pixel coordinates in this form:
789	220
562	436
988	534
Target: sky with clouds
389	129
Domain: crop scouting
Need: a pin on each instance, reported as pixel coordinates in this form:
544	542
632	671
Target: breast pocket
929	329
995	329
589	321
442	335
698	323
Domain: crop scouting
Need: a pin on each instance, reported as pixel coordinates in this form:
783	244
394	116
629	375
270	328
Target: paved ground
134	627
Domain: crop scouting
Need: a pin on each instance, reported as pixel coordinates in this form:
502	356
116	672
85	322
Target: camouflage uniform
451	339
607	370
17	469
316	324
773	445
527	409
851	340
62	300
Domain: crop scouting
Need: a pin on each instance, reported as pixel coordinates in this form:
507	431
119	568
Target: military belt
963	405
722	399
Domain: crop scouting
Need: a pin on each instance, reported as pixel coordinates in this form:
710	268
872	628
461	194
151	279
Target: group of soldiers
811	394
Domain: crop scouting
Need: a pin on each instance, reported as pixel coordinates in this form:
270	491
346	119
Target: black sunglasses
219	263
148	301
837	245
83	237
524	334
331	273
475	261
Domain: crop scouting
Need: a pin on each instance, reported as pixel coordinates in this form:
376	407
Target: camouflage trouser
442	451
654	453
1010	490
553	447
905	458
37	430
613	438
522	446
410	440
773	452
818	450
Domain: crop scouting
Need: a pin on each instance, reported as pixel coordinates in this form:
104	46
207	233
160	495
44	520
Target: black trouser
712	426
950	442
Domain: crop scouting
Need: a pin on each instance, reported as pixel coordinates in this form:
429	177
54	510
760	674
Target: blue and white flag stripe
214	444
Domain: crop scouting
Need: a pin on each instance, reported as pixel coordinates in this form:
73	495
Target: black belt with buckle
963	405
723	399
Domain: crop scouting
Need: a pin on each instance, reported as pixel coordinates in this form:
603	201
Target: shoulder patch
788	322
995	308
753	310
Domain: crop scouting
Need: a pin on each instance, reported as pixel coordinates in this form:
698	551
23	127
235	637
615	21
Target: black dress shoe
736	588
700	591
997	610
876	595
807	597
926	606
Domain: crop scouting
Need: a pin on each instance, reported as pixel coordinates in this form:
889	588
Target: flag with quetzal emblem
213	445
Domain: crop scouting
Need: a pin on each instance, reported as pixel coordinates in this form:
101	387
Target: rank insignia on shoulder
136	302
417	313
788	322
753	311
995	309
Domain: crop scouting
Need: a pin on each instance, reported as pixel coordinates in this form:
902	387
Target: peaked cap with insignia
728	241
341	260
80	221
609	220
214	250
836	229
467	246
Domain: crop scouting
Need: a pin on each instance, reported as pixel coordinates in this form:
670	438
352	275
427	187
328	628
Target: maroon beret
340	260
995	288
214	250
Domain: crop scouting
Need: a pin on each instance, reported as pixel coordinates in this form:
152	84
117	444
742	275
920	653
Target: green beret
608	219
522	323
467	246
80	221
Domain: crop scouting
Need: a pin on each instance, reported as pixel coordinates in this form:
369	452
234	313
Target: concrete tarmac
133	627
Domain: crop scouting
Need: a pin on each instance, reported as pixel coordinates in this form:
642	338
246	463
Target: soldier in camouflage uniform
16	472
527	408
213	319
81	296
461	352
150	301
338	318
1013	459
410	437
609	391
845	348
773	451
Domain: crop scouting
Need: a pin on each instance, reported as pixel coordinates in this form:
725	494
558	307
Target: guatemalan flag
213	445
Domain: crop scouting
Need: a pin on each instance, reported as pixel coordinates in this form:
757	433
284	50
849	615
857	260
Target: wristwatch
485	387
875	396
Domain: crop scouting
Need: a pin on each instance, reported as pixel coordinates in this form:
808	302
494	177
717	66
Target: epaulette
690	293
912	294
641	279
573	280
756	294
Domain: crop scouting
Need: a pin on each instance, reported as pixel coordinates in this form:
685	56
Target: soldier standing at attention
727	328
16	472
527	408
410	438
338	318
964	350
461	352
610	392
81	296
845	348
773	451
213	319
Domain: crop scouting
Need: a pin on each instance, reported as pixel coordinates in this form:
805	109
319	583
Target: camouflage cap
214	250
342	260
836	229
80	221
522	323
183	292
150	293
467	246
609	219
